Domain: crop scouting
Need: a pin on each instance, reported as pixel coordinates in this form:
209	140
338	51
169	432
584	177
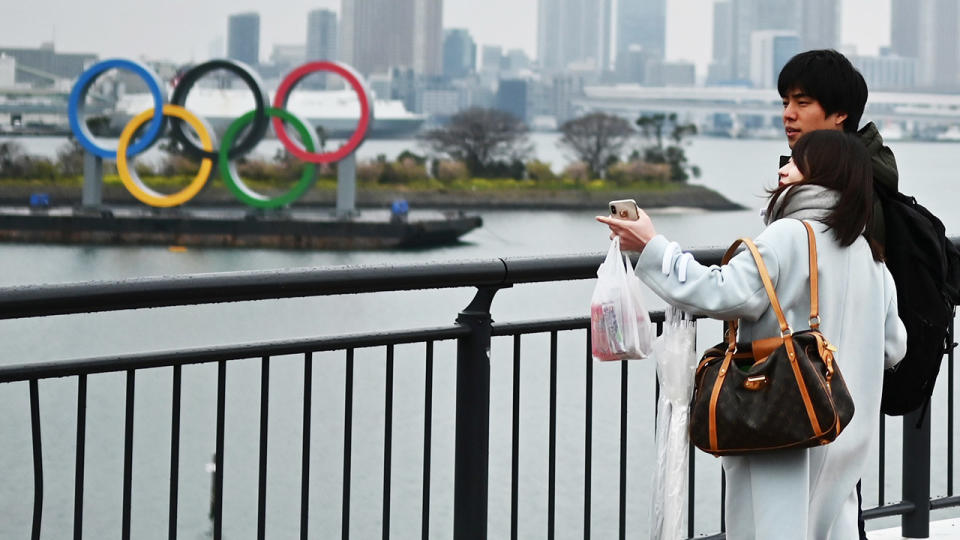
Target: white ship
337	111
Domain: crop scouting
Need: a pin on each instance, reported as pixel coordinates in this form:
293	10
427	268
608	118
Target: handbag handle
768	285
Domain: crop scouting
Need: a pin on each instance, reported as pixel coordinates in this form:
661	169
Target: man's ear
839	118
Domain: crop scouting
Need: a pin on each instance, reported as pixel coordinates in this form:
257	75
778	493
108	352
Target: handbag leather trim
714	396
784	327
766	346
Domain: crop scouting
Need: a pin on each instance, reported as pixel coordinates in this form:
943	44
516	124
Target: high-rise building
720	68
243	38
322	42
929	34
491	58
632	65
769	52
377	35
459	53
819	24
905	28
321	35
643	23
573	32
746	17
428	37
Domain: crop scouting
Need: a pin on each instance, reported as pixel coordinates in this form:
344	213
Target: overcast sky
182	30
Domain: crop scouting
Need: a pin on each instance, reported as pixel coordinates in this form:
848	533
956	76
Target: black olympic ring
251	137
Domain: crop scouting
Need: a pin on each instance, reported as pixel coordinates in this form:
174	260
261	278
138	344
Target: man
822	90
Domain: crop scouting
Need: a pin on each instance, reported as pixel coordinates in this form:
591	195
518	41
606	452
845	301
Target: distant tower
819	24
905	28
770	50
321	35
376	35
643	23
428	37
720	69
573	32
459	53
321	43
743	18
243	38
927	30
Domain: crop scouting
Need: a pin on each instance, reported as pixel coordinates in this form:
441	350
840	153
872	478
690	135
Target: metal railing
473	331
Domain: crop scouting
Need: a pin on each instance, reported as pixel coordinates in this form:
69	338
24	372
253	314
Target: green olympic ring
236	184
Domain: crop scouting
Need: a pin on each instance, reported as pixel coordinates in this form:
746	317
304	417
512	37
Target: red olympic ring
366	112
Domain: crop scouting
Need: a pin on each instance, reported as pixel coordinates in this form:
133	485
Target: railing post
473	419
916	473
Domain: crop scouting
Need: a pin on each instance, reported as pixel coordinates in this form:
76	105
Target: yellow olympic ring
136	186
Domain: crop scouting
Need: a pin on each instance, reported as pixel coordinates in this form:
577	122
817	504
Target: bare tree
481	138
596	139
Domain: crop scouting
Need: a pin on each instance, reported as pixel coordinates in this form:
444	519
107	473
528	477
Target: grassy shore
477	193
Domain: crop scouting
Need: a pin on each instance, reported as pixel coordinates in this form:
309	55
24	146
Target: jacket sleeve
895	334
726	292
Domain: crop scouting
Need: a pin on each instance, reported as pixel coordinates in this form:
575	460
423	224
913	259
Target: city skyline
110	32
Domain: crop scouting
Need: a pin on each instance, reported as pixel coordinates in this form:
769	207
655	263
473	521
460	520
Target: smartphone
625	209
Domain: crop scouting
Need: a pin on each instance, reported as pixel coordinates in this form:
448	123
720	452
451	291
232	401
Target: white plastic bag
676	359
620	325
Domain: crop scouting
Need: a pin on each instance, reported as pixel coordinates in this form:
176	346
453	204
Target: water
738	169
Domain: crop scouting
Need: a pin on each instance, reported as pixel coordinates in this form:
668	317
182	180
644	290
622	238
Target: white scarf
807	201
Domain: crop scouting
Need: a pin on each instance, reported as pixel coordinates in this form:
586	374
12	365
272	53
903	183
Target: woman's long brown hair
836	160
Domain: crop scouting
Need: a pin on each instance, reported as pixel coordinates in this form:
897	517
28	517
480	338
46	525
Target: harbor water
739	169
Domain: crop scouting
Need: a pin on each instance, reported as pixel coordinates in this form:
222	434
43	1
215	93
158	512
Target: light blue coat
807	494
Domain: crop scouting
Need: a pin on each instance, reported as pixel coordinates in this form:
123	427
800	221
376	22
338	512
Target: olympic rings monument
263	225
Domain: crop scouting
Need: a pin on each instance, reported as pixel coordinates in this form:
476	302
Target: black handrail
196	289
473	332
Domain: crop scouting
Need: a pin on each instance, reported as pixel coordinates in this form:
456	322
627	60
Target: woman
799	493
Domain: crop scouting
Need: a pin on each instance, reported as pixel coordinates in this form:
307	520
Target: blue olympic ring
79	93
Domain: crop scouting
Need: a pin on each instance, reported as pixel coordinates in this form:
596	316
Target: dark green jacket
884	174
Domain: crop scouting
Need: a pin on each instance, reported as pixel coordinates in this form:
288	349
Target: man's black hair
828	77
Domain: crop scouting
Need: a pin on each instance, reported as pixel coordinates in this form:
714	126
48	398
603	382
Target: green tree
654	127
485	140
596	139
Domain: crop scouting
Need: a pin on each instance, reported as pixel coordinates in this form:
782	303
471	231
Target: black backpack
926	268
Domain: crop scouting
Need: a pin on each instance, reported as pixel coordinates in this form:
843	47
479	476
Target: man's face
803	114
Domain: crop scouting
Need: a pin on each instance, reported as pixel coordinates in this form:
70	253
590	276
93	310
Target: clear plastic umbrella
675	354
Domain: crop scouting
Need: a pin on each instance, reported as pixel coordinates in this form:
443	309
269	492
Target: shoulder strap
768	285
814	280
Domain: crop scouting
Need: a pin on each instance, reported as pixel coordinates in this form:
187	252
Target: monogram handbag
773	393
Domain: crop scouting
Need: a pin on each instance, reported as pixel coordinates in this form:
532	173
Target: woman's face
790	174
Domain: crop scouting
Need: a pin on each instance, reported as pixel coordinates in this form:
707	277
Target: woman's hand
634	234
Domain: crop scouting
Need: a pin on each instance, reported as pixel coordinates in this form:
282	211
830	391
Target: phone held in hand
625	209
